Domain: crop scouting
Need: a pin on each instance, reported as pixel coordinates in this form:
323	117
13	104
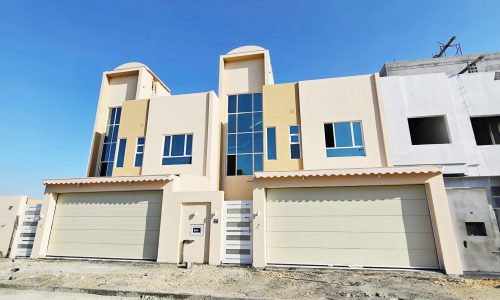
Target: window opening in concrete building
486	130
475	228
472	68
497	76
428	130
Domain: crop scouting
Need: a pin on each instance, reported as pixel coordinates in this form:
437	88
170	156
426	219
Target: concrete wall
478	253
11	212
181	114
450	65
133	125
281	109
339	100
455	97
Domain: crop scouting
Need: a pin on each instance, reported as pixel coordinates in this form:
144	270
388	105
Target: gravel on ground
236	281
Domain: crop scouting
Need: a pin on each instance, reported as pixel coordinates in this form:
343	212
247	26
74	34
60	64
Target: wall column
259	227
44	227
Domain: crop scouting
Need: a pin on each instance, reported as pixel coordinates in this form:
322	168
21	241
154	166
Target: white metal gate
27	230
238	237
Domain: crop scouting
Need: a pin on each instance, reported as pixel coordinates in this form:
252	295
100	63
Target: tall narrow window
177	149
295	142
344	139
139	152
109	145
121	153
271	143
245	134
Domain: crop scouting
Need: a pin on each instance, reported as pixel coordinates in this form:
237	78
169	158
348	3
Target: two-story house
262	173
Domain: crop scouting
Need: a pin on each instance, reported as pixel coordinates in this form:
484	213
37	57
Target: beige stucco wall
175	194
281	109
338	100
448	255
244	71
180	114
122	88
132	125
11	207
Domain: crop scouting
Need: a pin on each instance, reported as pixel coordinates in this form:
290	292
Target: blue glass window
109	144
245	123
139	152
257	102
177	149
245	134
294	131
245	103
121	153
231	144
244	164
271	143
344	139
231	124
231	104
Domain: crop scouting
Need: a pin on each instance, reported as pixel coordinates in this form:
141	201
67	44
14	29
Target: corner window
271	143
428	130
344	139
177	149
121	153
475	228
294	132
245	135
139	152
486	130
109	146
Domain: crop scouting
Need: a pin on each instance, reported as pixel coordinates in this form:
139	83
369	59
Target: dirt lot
48	275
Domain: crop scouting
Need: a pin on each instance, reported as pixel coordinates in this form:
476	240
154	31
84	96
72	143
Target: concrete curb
106	292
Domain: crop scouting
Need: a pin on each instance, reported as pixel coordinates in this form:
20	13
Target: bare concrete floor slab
134	280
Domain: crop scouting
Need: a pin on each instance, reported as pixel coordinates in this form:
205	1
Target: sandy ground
242	281
7	294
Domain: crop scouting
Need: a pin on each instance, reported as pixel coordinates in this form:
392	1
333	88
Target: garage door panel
106	225
127	237
99	223
353	257
391	207
348	240
351	224
113	198
349	193
100	250
103	210
365	226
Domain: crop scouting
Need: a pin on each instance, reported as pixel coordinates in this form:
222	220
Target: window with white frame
177	149
344	139
139	152
294	131
245	135
110	140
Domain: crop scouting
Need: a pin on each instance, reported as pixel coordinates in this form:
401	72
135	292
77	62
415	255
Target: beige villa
295	174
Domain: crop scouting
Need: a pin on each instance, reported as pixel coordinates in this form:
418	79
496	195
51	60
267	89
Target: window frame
170	148
112	124
137	145
236	133
118	149
353	141
290	142
275	143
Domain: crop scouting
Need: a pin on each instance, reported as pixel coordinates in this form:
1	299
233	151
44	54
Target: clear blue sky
53	53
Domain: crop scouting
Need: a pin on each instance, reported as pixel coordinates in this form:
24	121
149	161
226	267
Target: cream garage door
383	226
122	225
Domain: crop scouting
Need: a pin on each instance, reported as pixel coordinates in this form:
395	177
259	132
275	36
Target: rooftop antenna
444	47
472	65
